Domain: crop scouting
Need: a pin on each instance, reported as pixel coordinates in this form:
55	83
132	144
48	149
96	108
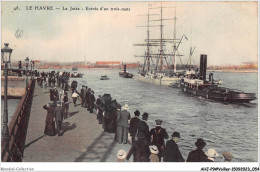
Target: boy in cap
198	155
154	154
134	122
121	155
158	134
172	152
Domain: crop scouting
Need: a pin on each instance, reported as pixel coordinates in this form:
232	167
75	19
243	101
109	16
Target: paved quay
83	140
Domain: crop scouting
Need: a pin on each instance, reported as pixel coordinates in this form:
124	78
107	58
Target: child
121	155
154	153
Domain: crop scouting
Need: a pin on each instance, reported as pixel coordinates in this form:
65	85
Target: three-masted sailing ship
160	68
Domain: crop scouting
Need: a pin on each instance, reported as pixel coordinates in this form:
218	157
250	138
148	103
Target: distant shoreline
236	71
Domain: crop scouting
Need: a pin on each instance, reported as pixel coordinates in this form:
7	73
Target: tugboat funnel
203	66
124	68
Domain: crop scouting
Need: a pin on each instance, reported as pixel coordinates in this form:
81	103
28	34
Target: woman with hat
154	154
49	122
198	155
212	154
172	152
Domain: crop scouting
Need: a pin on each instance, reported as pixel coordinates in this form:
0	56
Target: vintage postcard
164	82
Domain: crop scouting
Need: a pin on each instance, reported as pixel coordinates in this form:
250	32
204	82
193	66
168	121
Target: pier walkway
84	140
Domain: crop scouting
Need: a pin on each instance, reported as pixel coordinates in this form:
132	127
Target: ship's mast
161	46
174	43
148	42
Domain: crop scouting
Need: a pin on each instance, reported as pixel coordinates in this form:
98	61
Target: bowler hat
158	121
137	113
145	114
200	143
227	155
176	134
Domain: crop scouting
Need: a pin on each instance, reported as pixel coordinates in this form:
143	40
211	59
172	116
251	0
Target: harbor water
225	127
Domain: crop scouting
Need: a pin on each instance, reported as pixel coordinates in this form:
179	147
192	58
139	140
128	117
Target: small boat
125	74
75	68
104	77
196	84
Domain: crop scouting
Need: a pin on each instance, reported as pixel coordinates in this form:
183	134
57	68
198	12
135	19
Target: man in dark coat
172	152
58	114
140	150
87	97
82	95
198	154
143	128
91	101
134	122
158	134
55	94
51	95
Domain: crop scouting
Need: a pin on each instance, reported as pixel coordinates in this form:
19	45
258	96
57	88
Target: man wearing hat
134	122
140	150
58	114
227	156
172	152
122	125
158	134
55	94
198	155
92	100
143	128
82	95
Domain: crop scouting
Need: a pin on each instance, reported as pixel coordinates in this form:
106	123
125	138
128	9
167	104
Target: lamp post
6	56
27	63
31	69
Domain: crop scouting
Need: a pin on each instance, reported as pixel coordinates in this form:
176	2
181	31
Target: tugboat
197	84
125	74
104	77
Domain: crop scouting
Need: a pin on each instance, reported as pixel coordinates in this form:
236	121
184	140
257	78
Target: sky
225	31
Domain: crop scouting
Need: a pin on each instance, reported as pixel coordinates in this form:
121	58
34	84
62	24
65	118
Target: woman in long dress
49	122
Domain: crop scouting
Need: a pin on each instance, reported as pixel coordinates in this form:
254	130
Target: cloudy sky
225	31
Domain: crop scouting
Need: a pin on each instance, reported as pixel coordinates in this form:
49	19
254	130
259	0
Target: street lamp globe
6	53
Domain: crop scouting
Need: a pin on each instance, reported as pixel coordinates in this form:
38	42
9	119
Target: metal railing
12	149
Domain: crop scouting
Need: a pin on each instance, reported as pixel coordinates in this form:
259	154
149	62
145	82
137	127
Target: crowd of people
146	145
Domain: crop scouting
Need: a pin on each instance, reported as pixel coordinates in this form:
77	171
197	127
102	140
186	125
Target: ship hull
166	81
217	94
